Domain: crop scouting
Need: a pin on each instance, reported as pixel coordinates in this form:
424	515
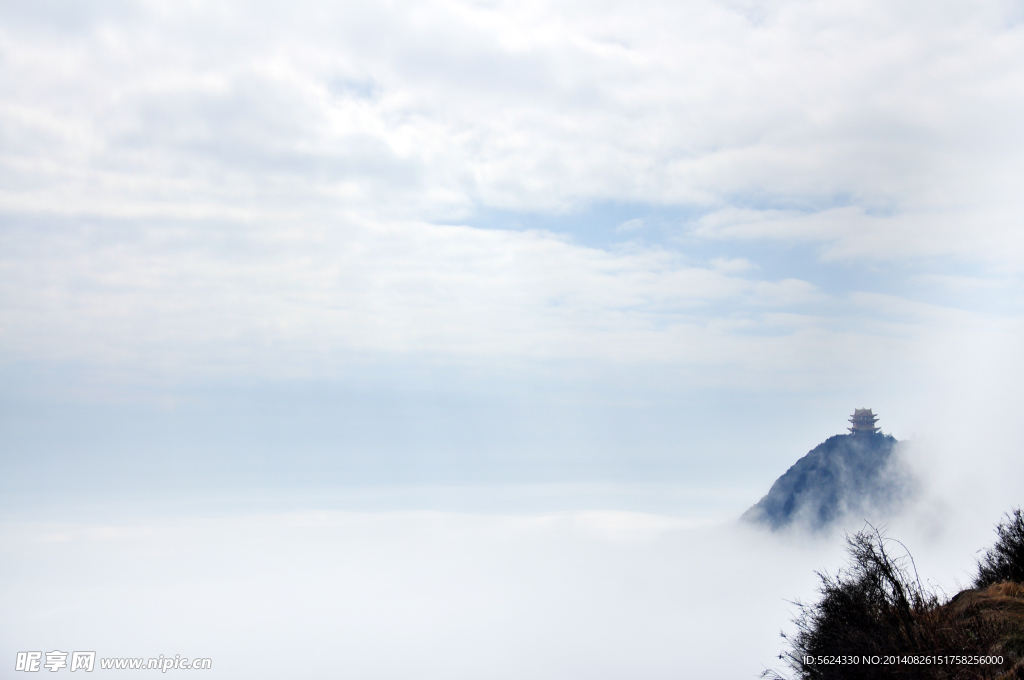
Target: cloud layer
265	185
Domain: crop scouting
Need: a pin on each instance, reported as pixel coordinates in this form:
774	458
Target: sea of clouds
321	593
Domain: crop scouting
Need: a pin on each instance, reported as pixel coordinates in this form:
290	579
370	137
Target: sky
505	310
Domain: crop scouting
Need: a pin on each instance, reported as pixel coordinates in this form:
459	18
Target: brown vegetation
877	608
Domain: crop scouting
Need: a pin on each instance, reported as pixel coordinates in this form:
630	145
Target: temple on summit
863	421
845	478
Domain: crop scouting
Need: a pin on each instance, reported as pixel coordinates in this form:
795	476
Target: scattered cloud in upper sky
729	196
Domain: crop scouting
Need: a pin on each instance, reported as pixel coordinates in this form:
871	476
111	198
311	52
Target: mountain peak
843	474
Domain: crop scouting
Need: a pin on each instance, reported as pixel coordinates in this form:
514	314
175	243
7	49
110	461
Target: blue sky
540	242
498	257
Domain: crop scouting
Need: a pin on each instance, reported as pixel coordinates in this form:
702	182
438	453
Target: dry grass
878	607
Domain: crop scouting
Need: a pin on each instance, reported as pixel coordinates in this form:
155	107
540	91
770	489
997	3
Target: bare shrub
1004	561
877	607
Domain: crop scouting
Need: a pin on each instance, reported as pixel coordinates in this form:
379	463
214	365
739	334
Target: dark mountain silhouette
843	474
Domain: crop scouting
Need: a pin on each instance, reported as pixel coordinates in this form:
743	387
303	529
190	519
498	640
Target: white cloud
424	111
578	594
634	224
299	297
283	190
421	595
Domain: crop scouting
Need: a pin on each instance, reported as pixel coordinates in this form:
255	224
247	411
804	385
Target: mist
508	586
452	339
